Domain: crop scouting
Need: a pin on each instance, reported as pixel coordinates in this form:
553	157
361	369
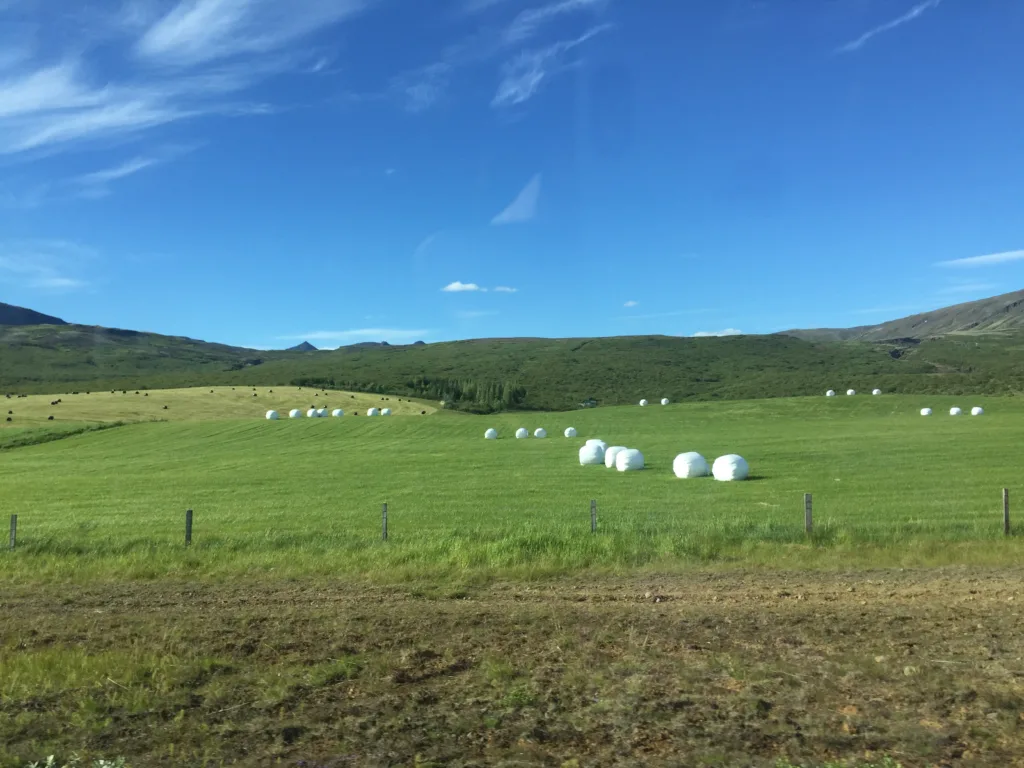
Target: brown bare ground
736	668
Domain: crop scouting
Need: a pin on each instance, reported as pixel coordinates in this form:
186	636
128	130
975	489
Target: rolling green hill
12	315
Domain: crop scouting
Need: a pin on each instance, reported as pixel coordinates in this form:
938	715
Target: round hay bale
690	464
643	403
876	391
570	431
295	414
830	393
373	412
954	411
926	411
540	432
337	413
522	433
851	392
610	453
321	413
386	412
730	467
491	434
312	413
602	443
272	415
977	411
592	454
664	401
629	460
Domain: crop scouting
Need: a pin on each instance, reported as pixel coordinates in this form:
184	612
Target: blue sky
258	172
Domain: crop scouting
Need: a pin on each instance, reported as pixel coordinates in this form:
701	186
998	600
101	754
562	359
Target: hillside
993	315
12	315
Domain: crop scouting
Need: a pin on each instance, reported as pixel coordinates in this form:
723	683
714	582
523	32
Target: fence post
1006	513
808	516
188	527
593	515
14	531
384	522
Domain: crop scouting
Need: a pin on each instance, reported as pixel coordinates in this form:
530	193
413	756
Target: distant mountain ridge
303	347
12	315
997	314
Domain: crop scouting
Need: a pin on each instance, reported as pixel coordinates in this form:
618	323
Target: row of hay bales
956	411
321	413
664	401
851	392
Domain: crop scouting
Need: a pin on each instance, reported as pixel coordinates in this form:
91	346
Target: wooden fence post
14	531
593	515
808	516
1006	511
384	522
188	527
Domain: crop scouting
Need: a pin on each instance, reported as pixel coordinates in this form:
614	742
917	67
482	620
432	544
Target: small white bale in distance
321	413
602	443
610	454
690	464
954	411
373	412
592	453
570	432
540	432
926	411
273	416
977	410
491	434
643	402
337	413
730	467
851	392
876	391
629	460
522	433
830	393
295	414
312	413
386	412
664	401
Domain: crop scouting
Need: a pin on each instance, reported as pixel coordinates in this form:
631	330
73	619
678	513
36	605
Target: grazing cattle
9	419
10	413
146	395
423	413
254	394
165	407
50	419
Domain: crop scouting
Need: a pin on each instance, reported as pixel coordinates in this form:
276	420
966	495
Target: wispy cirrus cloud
910	15
44	265
631	303
984	261
390	335
723	332
460	287
527	23
524	207
505	289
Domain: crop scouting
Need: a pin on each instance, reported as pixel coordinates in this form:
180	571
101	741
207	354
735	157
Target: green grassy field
304	497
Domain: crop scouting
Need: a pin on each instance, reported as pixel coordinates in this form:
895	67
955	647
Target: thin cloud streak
910	15
460	287
524	207
528	22
506	289
360	334
44	265
631	304
724	332
984	261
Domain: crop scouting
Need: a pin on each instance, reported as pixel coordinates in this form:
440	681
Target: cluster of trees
462	394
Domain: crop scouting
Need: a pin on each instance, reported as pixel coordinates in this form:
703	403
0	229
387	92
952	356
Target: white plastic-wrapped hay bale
373	412
570	431
592	453
830	393
321	413
295	414
602	443
690	464
851	392
337	413
629	460
540	432
926	411
954	411
312	413
491	434
876	391
730	467
664	401
610	453
977	410
522	433
386	412
643	402
273	416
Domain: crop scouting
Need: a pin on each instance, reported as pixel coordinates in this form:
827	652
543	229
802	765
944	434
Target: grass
304	497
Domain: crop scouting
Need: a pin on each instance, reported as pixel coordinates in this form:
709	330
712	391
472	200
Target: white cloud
505	289
421	88
725	332
984	261
523	75
44	265
527	23
524	207
460	287
910	15
390	335
631	304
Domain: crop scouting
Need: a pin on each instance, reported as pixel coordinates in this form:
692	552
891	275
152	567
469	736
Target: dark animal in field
50	419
